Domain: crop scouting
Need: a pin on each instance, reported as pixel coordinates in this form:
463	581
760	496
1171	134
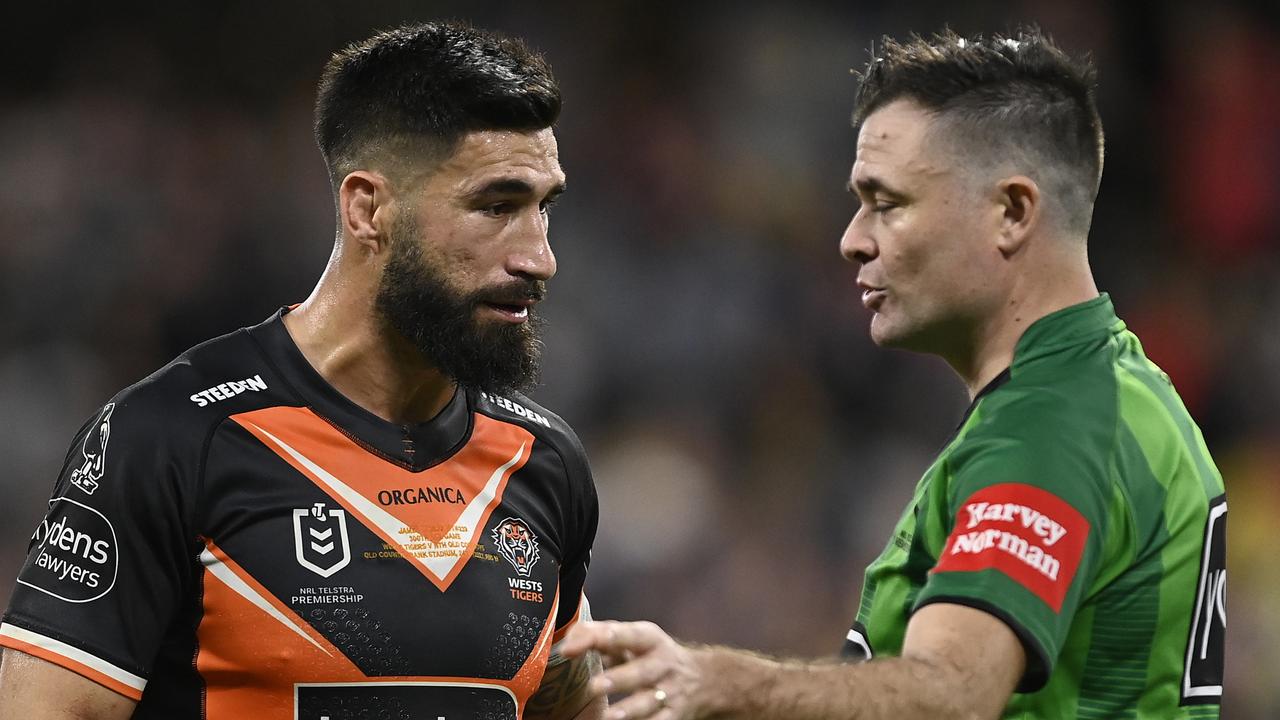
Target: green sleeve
1023	510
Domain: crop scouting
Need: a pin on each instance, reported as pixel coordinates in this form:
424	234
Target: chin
882	333
895	338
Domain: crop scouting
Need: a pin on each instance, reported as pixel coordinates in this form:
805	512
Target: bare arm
33	689
565	693
957	662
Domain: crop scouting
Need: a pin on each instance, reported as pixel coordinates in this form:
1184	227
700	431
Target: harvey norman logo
1023	531
228	390
1042	526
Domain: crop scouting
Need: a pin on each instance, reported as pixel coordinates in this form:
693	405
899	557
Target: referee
1063	557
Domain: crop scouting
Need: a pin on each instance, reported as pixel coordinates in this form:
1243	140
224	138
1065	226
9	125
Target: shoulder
546	426
1048	411
1043	430
179	404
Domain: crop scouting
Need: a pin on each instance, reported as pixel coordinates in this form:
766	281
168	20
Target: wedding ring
661	696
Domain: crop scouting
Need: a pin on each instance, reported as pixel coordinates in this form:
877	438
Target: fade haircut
1010	100
412	93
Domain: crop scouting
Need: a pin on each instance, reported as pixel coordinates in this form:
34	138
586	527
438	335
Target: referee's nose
857	245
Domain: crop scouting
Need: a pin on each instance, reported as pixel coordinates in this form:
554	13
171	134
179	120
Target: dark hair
1016	97
428	85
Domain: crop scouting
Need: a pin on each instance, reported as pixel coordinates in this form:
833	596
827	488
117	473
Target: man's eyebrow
503	186
869	186
512	186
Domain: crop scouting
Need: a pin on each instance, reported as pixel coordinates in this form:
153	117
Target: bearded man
304	518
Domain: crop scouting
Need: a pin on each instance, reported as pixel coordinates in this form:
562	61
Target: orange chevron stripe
422	532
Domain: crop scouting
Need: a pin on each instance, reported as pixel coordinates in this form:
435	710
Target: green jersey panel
1078	504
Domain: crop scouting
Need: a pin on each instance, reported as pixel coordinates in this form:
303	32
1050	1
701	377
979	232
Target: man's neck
1033	297
364	361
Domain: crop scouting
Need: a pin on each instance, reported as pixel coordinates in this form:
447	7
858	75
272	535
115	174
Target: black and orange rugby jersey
233	538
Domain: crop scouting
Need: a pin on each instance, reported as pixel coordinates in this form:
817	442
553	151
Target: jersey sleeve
1026	516
581	526
108	565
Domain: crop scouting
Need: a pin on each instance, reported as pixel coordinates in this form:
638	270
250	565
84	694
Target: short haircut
417	90
1017	99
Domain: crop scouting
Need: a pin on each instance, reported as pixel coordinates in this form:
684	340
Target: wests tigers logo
516	543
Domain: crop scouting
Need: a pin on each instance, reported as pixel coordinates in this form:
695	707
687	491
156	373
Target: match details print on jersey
264	548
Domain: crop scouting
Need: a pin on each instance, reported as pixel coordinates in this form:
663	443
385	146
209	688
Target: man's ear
1019	197
363	203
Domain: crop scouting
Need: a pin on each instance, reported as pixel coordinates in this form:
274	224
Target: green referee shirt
1078	504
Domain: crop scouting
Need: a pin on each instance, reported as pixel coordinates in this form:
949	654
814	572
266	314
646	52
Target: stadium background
752	448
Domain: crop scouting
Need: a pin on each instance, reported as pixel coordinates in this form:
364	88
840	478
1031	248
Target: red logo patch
1023	531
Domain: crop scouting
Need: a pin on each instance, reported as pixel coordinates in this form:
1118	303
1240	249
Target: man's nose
531	255
857	245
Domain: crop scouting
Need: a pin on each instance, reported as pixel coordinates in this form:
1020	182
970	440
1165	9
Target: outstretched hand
656	676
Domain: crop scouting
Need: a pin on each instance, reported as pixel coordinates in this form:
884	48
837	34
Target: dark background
752	448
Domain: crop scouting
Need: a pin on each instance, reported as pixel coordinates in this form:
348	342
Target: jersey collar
1052	333
414	446
1073	325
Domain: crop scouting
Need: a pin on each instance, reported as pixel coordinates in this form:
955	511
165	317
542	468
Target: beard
415	300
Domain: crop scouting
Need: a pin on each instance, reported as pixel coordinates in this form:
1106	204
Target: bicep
34	689
978	651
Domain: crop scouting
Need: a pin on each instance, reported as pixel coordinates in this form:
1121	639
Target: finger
612	638
609	660
592	635
646	672
580	639
642	704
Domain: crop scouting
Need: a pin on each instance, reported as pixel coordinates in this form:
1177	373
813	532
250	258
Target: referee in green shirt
1064	556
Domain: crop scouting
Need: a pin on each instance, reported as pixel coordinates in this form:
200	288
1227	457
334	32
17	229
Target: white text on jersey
1039	523
228	390
520	410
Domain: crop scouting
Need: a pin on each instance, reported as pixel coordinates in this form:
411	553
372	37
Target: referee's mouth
872	295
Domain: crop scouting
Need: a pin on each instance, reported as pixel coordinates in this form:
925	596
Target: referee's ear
1019	199
363	200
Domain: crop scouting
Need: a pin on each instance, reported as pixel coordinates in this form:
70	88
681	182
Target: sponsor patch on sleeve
73	554
1025	532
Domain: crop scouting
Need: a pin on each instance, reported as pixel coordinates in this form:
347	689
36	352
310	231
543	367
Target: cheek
453	249
907	256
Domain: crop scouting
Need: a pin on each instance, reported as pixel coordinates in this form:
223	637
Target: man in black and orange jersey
347	510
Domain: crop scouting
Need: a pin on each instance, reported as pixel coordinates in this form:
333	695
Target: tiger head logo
516	543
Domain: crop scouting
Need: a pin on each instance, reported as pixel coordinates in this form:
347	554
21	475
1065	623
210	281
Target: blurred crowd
752	448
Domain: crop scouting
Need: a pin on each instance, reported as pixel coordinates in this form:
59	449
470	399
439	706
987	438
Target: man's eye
497	209
545	205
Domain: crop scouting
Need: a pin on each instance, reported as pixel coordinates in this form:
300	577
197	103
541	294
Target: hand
658	677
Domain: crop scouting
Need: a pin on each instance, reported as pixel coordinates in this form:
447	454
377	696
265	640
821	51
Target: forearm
744	685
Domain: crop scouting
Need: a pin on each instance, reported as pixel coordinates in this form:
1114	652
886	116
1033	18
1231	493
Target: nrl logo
317	534
86	476
515	542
